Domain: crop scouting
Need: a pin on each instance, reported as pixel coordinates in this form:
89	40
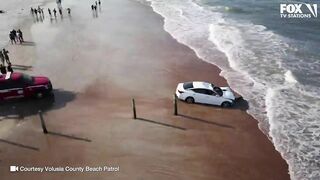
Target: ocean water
274	63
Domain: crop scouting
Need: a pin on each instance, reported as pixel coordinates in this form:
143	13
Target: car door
3	90
13	89
200	95
212	98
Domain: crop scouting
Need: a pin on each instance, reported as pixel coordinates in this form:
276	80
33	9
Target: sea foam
289	77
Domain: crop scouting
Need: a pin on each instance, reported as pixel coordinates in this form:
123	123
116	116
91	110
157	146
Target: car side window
196	90
2	85
209	92
11	84
201	91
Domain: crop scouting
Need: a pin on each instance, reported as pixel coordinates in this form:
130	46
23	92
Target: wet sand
97	64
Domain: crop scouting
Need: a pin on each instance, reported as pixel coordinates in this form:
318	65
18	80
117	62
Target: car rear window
187	85
27	79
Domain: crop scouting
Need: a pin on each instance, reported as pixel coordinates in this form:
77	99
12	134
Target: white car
205	93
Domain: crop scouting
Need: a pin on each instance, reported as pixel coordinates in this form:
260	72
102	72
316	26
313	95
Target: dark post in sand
134	109
175	105
43	125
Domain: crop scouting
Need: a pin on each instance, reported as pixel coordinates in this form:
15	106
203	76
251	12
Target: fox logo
313	9
296	10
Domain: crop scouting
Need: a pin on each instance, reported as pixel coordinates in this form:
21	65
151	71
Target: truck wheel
39	95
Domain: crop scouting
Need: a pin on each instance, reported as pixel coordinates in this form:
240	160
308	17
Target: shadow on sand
160	123
28	43
19	145
68	136
205	121
21	67
18	109
240	104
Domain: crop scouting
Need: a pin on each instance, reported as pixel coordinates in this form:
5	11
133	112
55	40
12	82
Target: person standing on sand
1	58
94	12
31	11
55	12
6	56
69	11
14	32
42	12
99	2
60	12
36	12
39	11
9	68
3	69
20	36
12	38
49	11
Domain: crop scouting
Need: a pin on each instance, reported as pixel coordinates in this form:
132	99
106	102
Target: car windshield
27	79
187	85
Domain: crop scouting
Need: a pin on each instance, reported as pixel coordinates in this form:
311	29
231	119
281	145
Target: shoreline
262	123
263	126
223	79
168	73
264	66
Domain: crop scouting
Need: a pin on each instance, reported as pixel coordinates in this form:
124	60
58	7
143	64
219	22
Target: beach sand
97	65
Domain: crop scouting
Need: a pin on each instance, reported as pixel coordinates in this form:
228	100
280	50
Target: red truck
19	85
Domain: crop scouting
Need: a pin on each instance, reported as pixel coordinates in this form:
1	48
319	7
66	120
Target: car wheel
39	95
190	100
226	104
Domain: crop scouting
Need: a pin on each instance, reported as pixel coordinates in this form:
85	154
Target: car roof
201	85
14	76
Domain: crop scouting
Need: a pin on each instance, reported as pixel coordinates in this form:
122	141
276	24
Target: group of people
4	57
35	11
16	36
54	12
60	12
94	8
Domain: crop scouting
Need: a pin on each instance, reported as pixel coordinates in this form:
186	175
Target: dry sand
96	66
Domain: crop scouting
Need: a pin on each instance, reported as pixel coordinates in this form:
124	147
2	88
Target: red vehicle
19	85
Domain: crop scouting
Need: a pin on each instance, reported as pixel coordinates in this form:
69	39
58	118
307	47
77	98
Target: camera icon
14	168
